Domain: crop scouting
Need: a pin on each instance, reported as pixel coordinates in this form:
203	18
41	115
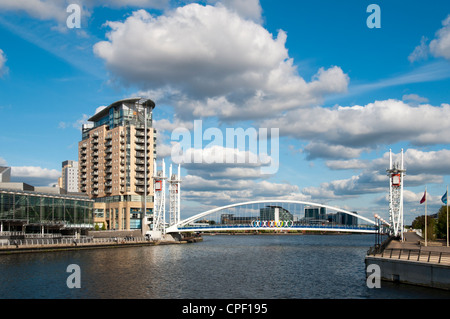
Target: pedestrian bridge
280	215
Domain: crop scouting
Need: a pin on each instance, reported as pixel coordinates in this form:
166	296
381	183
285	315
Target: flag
424	198
444	198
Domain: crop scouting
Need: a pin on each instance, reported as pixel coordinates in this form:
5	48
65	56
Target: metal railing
431	256
64	241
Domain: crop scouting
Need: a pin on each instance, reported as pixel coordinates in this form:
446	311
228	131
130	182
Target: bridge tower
174	196
396	173
159	211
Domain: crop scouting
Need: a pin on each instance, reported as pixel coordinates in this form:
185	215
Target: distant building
5	174
275	213
69	176
315	213
230	219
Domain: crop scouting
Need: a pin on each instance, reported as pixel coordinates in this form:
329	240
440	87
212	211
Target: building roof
105	111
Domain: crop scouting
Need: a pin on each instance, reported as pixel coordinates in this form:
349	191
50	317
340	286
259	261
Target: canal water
220	267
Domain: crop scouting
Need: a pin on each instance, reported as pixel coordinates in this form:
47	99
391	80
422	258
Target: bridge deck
354	229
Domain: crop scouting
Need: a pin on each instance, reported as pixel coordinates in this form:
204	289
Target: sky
335	93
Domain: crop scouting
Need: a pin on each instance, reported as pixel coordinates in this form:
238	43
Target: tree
419	223
441	223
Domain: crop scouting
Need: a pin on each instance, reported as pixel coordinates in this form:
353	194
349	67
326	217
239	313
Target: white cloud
34	171
414	98
219	192
440	47
211	62
323	150
43	10
365	127
420	52
346	164
422	168
56	10
249	9
34	175
3	68
76	124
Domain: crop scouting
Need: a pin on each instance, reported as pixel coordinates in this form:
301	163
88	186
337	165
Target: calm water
220	267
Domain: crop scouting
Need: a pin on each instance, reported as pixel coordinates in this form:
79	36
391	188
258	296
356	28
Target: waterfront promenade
412	262
413	248
59	244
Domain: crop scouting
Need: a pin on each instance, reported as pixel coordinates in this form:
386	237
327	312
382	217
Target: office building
313	213
275	213
115	164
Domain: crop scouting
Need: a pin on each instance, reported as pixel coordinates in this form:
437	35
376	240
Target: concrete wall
113	233
412	272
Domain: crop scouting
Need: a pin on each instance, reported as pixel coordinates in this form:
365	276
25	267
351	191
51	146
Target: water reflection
262	267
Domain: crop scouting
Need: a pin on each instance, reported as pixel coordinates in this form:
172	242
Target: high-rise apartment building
116	157
69	176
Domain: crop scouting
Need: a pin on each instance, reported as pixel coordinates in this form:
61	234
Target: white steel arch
174	228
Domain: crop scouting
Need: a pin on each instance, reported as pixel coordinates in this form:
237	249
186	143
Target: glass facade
37	208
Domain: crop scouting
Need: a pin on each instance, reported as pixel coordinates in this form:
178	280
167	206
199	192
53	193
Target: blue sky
341	94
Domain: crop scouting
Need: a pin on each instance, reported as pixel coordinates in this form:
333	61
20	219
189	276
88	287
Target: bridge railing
302	226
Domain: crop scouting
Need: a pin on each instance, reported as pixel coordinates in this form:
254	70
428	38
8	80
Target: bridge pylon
159	211
174	196
396	173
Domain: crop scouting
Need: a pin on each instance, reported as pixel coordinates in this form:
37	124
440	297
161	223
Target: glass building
25	210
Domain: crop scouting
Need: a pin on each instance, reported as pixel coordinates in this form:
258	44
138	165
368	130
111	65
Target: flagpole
447	214
426	216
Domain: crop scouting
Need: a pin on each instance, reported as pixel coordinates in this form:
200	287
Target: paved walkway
413	249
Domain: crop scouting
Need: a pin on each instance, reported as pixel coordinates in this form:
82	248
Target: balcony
140	154
140	141
140	189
